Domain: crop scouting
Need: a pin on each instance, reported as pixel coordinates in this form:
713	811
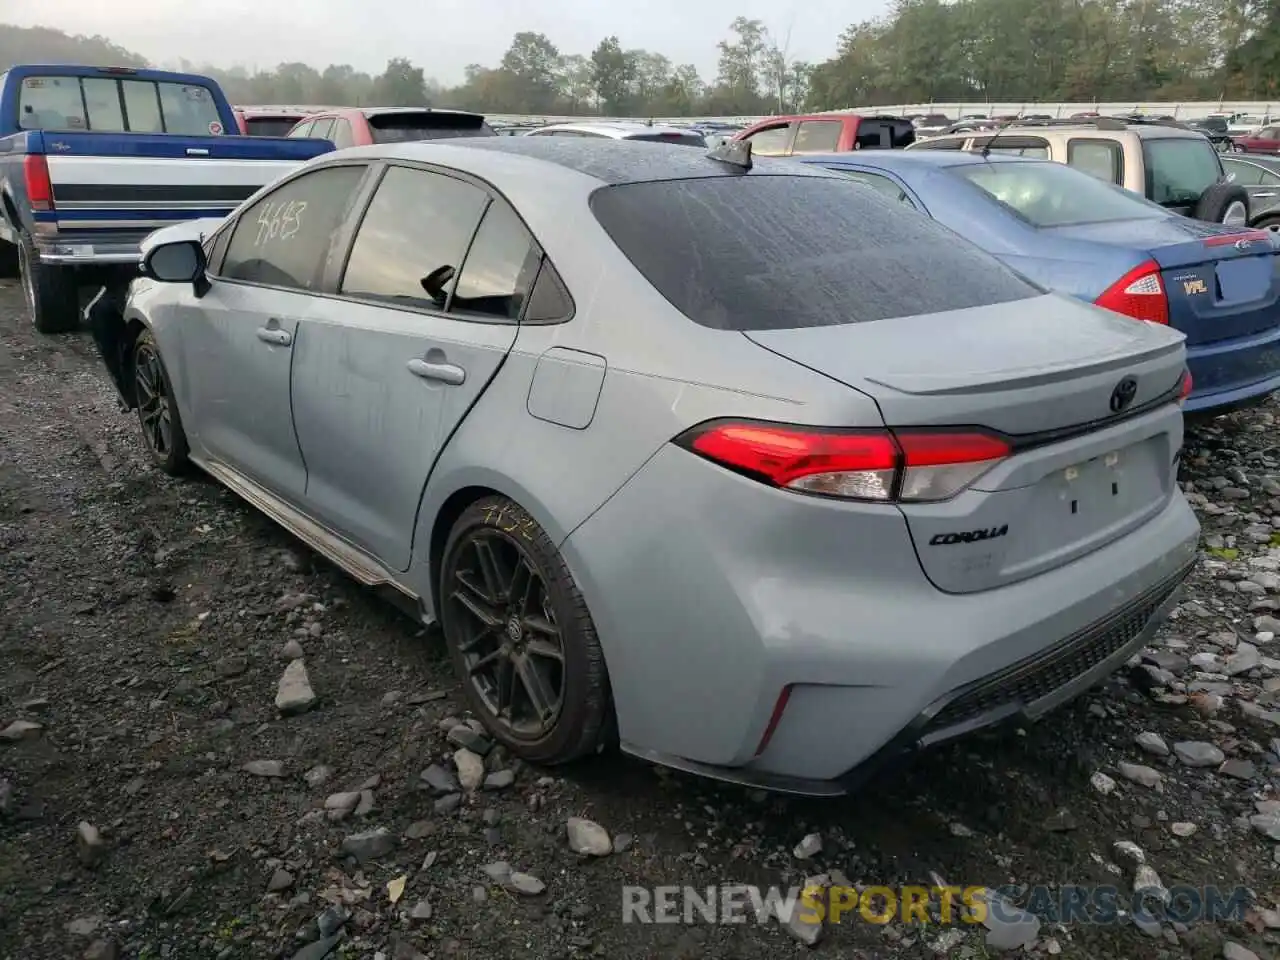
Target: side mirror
178	262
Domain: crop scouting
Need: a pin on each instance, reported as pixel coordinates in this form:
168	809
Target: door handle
1269	193
281	338
449	373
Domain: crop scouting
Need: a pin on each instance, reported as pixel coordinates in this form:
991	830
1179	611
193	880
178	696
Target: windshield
1056	195
270	126
773	252
427	125
1180	169
115	105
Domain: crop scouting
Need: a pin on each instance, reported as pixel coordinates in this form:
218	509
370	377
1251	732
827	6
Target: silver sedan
735	465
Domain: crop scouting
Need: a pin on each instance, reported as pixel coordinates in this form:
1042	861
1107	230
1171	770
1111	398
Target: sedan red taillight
1184	390
1139	294
916	465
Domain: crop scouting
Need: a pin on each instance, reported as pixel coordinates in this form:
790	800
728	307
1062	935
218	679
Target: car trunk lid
1221	283
1045	373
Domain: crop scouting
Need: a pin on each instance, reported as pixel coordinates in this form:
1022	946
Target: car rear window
66	103
770	252
270	126
427	125
684	139
1047	194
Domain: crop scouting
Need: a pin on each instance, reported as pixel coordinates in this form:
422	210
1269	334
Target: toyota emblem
1123	394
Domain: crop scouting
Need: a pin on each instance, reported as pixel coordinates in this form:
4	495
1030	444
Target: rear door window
1180	169
413	238
771	141
1244	173
1101	159
499	269
881	184
763	252
341	134
818	136
321	130
284	239
879	134
303	130
409	125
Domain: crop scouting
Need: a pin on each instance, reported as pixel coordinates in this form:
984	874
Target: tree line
919	51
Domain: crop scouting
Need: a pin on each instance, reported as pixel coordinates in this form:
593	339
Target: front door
385	372
242	333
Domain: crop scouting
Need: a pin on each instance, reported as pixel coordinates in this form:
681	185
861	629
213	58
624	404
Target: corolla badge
1123	394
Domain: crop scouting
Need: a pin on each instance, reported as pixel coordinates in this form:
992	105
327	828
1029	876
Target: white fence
1186	110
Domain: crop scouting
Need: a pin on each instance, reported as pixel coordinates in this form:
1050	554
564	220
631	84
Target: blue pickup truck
92	159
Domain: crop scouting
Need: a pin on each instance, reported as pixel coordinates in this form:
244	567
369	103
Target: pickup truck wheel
158	408
52	295
9	268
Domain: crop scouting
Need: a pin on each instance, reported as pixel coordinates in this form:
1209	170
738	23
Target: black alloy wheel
158	414
521	638
510	642
155	407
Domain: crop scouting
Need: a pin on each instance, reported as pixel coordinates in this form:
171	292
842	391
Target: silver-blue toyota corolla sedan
732	464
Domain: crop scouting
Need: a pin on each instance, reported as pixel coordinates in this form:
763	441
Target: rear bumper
90	250
1231	373
1023	692
712	594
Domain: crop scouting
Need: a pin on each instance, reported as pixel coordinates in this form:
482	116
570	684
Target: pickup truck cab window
322	128
818	136
67	103
283	240
303	130
771	141
341	135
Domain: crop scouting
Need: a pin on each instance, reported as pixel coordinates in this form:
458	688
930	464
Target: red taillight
775	718
35	170
885	465
1184	390
1138	294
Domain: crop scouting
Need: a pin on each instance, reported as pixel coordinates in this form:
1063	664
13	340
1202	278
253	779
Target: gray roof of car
606	161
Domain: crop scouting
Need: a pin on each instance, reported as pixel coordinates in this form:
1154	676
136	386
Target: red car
359	127
826	133
266	123
1266	140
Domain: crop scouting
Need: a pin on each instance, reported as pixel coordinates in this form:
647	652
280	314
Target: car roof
604	161
613	127
893	159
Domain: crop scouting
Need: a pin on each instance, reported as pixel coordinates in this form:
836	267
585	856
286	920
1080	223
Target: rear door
425	312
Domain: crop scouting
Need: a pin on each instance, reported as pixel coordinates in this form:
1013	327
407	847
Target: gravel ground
154	802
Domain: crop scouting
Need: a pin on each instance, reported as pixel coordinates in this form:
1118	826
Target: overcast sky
441	36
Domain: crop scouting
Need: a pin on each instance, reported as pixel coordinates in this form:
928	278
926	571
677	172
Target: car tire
162	432
9	266
1224	202
53	298
515	621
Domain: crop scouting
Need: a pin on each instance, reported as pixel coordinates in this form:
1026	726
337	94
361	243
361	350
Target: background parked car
825	132
621	130
1264	140
361	127
1166	163
267	122
1260	177
1218	285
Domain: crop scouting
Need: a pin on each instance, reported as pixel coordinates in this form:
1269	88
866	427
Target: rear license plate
1099	488
1244	279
